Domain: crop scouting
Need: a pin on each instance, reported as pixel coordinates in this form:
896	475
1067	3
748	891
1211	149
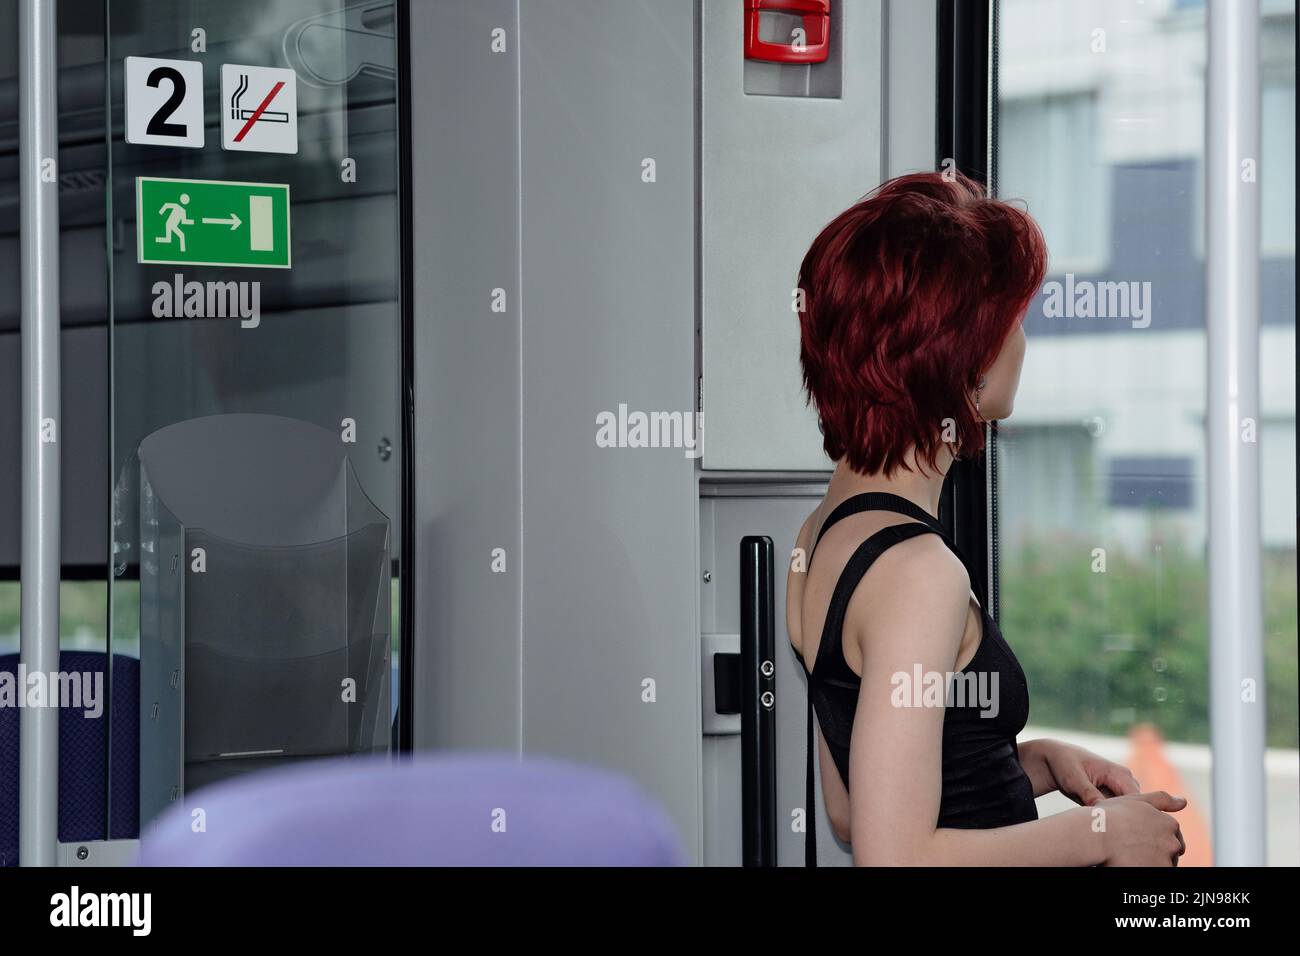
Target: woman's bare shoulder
918	585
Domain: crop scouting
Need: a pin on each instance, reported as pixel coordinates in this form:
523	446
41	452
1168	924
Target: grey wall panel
721	758
911	65
609	534
730	519
465	176
774	171
723	840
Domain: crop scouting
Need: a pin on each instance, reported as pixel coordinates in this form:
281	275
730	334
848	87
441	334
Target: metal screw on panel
708	576
385	449
82	853
767	668
767	699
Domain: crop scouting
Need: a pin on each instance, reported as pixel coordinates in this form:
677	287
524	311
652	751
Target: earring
984	380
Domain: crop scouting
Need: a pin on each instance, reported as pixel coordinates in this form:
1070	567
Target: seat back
84	751
462	809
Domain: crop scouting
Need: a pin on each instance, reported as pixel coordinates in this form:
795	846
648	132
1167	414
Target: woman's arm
1035	766
909	614
1081	775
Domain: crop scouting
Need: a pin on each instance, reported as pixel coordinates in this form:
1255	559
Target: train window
1277	135
11	513
10	396
1102	507
83	598
1073	204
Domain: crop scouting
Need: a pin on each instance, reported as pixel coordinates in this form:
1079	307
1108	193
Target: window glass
255	378
82	293
1102	504
10	383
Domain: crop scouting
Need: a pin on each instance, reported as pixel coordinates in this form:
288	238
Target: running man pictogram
175	213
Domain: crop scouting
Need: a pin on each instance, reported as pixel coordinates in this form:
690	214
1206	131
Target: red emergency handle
815	45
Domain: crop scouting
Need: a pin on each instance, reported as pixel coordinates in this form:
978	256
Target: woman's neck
921	486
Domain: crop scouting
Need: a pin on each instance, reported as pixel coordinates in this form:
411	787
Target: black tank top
984	785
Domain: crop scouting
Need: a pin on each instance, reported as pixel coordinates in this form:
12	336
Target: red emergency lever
815	47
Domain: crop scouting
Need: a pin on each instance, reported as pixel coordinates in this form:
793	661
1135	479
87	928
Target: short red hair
907	298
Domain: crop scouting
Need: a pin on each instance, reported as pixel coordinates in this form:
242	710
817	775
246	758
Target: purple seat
84	749
447	809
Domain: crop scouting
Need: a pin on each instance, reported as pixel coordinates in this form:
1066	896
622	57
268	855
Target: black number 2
158	126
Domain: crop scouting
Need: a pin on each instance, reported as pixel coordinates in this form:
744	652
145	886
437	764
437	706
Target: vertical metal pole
1232	419
38	767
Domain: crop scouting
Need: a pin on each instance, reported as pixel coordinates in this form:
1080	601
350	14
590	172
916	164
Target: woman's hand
1138	830
1081	775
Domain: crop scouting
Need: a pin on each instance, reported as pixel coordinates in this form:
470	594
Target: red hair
908	296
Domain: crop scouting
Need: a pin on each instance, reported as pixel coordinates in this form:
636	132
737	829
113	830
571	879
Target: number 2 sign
164	102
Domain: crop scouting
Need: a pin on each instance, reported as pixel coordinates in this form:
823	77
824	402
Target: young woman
911	339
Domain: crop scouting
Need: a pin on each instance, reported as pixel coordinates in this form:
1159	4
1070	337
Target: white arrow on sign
233	222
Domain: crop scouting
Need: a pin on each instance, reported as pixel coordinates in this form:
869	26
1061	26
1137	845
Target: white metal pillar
38	767
1232	421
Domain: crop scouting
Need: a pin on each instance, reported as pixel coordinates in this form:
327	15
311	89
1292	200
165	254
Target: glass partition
255	358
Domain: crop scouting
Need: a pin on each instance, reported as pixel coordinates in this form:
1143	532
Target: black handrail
758	701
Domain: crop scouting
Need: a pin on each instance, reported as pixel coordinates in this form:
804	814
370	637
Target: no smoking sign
259	109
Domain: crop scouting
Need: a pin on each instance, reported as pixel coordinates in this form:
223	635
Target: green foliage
1103	651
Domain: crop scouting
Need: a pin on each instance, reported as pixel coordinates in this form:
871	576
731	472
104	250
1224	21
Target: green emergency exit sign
205	222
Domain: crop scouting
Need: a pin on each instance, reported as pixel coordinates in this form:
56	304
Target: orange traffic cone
1151	766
